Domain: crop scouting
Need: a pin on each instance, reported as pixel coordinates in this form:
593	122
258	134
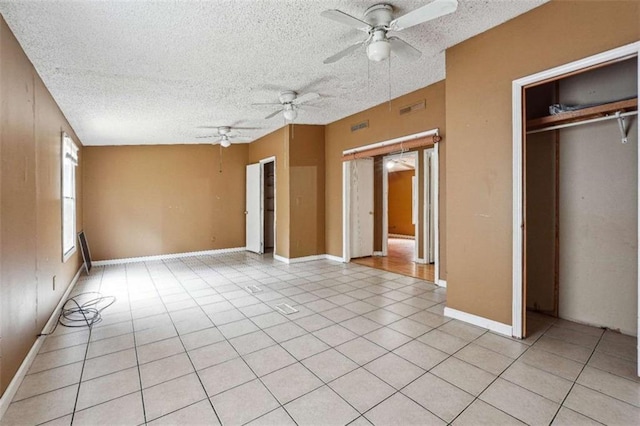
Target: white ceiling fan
226	134
378	20
289	101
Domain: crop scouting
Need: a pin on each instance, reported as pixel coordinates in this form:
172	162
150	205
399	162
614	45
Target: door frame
518	225
262	163
415	195
346	194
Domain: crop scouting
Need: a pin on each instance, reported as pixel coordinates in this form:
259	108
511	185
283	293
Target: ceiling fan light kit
225	142
379	50
289	113
225	134
290	101
378	21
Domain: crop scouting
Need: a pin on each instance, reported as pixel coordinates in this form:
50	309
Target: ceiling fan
378	20
226	135
289	101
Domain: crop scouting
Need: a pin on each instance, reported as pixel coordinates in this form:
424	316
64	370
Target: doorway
269	206
260	212
423	258
400	197
575	194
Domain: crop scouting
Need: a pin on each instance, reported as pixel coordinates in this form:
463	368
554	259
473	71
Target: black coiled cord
77	313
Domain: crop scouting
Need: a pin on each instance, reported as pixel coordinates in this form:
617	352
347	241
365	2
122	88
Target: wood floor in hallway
399	260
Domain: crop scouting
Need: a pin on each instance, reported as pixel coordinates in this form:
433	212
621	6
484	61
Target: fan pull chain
368	74
220	160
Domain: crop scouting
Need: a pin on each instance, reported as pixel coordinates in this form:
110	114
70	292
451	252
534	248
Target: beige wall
161	199
479	143
400	202
30	208
307	186
384	125
300	220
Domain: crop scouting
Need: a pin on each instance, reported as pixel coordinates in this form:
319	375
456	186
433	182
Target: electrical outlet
54	283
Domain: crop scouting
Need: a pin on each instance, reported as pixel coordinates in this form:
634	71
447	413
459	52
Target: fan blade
343	18
245	128
266	103
343	53
206	137
307	97
433	10
273	114
404	49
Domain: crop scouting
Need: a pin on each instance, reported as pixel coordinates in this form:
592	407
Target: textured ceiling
143	72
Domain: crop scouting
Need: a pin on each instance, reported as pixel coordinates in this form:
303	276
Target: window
69	163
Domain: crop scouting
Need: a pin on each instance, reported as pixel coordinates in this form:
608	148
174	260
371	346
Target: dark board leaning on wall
86	255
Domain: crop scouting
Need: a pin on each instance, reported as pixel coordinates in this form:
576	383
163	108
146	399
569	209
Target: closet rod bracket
623	127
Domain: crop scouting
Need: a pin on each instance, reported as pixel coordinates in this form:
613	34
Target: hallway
399	259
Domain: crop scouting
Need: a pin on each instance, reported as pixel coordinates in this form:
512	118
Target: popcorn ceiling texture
143	72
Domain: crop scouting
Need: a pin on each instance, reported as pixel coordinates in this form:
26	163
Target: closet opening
268	209
576	195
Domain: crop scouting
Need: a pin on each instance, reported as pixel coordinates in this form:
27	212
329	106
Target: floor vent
286	309
415	107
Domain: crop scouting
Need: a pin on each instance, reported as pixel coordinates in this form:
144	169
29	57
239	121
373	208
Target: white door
361	207
252	212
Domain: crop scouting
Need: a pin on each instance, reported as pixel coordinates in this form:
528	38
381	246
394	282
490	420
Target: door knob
246	212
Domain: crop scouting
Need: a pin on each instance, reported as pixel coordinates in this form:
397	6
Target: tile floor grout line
254	372
357	336
498	376
135	348
182	343
576	380
297	361
561	404
84	362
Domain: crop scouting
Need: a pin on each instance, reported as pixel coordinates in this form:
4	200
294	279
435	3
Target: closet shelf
583	114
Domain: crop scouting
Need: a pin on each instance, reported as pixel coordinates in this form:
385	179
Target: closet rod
592	120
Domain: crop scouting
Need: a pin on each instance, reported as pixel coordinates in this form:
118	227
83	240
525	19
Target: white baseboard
166	256
378	253
288	260
492	325
442	283
281	259
334	258
15	383
421	261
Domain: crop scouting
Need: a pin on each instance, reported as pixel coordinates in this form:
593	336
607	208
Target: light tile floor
186	343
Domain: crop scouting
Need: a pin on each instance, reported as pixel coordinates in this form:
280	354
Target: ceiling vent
360	126
414	107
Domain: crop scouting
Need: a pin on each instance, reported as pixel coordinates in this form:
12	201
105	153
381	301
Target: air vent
414	107
360	126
